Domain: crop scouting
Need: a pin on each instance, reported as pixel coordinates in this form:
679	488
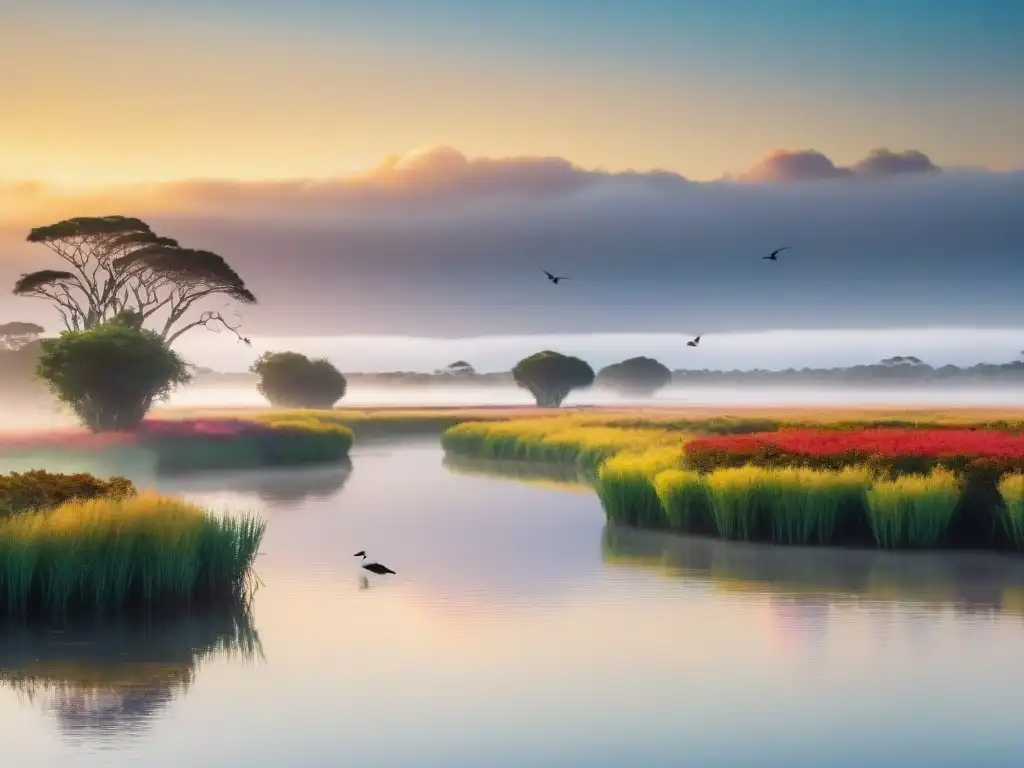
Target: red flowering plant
887	450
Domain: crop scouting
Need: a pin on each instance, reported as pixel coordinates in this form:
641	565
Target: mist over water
770	350
725	396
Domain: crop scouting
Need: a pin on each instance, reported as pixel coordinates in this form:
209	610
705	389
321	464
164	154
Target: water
519	631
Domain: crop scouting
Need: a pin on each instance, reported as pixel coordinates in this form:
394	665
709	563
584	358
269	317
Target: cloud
788	165
425	181
883	162
811	165
436	243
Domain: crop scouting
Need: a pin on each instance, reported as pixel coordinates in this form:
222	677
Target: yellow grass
111	552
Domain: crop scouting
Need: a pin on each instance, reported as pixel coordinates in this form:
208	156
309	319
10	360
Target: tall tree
118	264
551	376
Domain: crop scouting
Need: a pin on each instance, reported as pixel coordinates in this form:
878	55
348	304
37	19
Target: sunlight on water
521	630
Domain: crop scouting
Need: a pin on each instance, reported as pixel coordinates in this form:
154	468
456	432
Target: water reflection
554	475
275	487
814	578
114	677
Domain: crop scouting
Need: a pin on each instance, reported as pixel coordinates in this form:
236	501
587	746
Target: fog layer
440	245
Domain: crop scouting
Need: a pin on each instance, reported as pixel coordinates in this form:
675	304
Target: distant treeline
891	371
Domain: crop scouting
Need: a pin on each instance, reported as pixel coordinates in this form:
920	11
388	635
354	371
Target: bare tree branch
118	264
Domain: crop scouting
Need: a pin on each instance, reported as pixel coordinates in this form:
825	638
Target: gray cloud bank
438	244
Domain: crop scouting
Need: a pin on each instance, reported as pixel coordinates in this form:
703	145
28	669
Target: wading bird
774	255
693	343
554	278
373	567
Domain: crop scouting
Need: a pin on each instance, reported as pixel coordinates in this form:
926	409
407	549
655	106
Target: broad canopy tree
551	376
117	263
641	376
16	334
459	368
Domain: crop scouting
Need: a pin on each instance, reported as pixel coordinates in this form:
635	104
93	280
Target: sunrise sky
408	168
98	91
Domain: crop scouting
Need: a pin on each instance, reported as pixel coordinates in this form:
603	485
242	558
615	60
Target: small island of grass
894	483
73	543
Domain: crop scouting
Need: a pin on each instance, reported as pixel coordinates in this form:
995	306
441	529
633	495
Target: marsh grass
1011	489
686	500
170	446
291	441
626	484
914	510
139	552
638	468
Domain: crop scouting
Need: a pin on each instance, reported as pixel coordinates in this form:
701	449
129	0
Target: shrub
641	376
292	380
112	374
38	489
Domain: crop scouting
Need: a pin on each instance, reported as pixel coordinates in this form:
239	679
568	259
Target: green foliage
112	374
686	500
38	489
636	376
104	554
914	510
1011	489
292	380
551	376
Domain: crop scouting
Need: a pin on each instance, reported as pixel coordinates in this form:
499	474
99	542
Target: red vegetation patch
892	449
73	439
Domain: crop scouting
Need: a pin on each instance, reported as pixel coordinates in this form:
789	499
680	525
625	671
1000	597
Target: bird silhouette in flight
373	567
774	255
693	343
554	278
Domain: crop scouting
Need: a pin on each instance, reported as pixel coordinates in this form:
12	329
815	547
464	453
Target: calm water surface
520	632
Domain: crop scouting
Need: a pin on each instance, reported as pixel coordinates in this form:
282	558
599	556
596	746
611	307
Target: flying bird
693	343
373	567
774	255
554	278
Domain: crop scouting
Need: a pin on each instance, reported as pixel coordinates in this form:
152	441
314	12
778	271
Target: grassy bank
182	445
645	477
142	551
364	423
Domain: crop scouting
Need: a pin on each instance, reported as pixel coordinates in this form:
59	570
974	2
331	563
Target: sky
407	168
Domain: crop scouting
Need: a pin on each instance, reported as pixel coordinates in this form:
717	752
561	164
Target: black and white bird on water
693	343
373	567
774	255
554	278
